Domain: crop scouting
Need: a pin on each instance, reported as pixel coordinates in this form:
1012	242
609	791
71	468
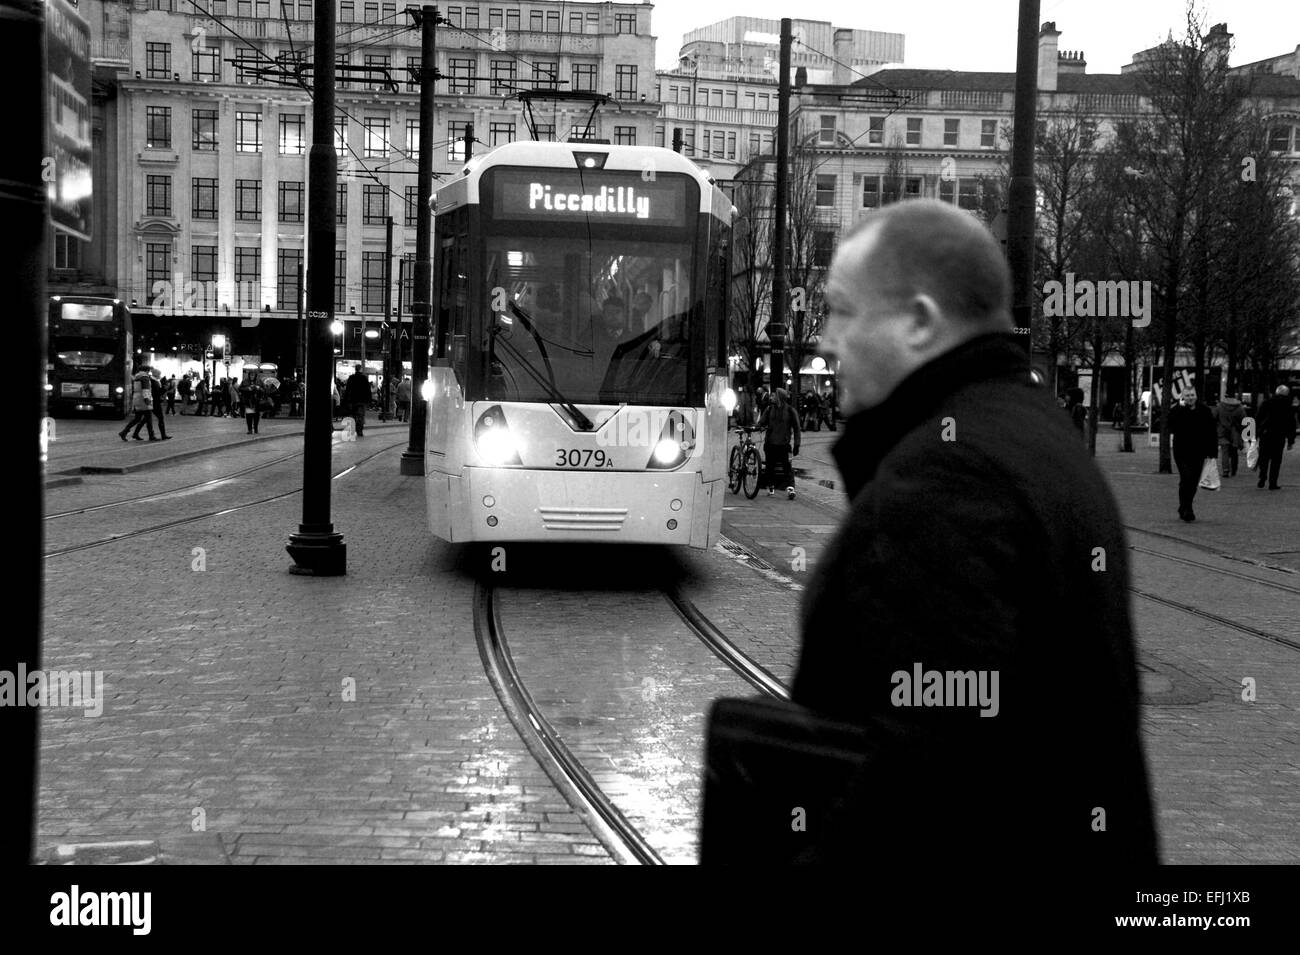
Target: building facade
202	136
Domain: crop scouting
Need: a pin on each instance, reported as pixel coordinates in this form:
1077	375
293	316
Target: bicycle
745	464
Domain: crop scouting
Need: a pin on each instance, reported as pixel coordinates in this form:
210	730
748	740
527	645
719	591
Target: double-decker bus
578	387
88	369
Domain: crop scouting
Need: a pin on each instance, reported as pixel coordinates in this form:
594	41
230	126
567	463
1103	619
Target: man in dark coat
1195	436
356	396
1276	427
972	613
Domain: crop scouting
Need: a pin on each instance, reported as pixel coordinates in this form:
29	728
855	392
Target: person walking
186	389
141	406
404	388
250	396
158	393
232	397
171	394
968	554
201	397
356	396
780	440
1193	432
1077	410
1228	416
1276	427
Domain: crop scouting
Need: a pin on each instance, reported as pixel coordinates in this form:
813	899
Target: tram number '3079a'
588	458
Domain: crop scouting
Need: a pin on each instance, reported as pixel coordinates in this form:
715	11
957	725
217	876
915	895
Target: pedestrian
1276	427
356	396
232	397
201	394
973	553
186	389
141	406
1076	409
780	441
404	398
157	394
171	395
1228	416
251	394
1194	433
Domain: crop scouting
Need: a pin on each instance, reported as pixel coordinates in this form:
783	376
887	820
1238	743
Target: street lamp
218	344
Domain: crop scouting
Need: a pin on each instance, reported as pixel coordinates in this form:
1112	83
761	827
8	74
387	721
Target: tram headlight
676	443
729	400
668	451
492	437
120	389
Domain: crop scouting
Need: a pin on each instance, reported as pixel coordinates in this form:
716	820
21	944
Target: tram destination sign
542	195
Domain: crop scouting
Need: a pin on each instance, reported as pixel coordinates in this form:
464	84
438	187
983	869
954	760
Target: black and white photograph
569	432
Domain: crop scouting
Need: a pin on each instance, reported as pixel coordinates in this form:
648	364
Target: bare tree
751	284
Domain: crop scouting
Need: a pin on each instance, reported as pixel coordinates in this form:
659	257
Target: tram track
612	828
207	515
163	495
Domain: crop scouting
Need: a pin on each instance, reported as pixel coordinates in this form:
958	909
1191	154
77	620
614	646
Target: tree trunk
1130	398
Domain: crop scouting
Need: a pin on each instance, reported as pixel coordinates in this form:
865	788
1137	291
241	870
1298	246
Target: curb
61	482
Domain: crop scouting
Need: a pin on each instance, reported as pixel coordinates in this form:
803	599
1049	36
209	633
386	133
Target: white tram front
577	384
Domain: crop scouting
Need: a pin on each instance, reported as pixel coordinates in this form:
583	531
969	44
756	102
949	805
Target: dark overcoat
980	538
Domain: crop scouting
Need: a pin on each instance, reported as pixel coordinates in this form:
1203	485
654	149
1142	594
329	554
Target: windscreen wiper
556	395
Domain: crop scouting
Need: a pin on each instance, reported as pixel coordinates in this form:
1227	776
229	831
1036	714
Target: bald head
926	247
910	283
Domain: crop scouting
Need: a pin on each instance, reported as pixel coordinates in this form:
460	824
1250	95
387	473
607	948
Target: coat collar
870	435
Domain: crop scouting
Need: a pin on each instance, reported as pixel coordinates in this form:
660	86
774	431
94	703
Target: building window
157	263
293	135
825	191
456	140
988	133
471	18
688	142
291	204
340	280
370	13
248	267
161	5
827	133
459	71
203	198
823	249
951	129
579	133
1279	139
372	281
968	195
341	204
453	16
374	205
625	135
659	136
205	61
67	251
575	22
245	60
412	74
204	127
875	130
535	21
914	130
503	76
552	21
203	263
718	147
870	192
376	138
754	146
341	135
715	96
593	24
287	286
248	132
625	81
305	10
546	71
502	133
347	11
749	99
512	19
625	23
412	207
248	199
731	145
158	61
378	61
496	18
413	140
158	127
912	187
731	99
584	77
158	195
545	132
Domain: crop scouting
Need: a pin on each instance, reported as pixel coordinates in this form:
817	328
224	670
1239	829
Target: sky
981	34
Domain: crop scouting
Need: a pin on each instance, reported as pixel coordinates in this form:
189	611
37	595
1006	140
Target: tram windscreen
589	319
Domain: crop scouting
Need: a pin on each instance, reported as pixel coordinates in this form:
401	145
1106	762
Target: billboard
66	169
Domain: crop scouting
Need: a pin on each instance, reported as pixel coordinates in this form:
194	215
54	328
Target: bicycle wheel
735	470
750	473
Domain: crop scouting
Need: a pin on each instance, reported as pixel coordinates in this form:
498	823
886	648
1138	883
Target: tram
577	385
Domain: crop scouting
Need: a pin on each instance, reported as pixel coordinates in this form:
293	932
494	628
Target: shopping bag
1252	454
1210	475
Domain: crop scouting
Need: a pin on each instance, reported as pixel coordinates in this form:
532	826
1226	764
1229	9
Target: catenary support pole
1022	194
780	280
316	548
